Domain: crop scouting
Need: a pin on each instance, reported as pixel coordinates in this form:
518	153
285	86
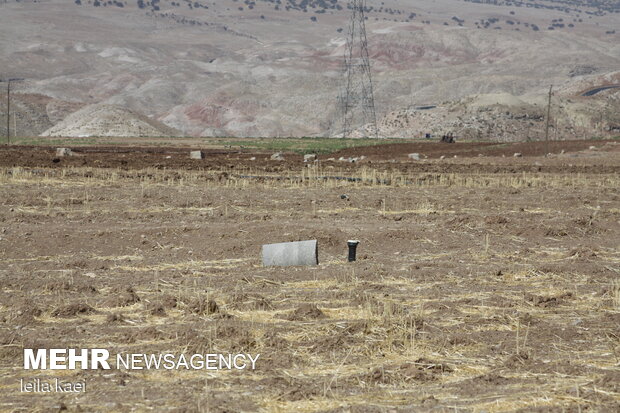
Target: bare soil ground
482	283
567	156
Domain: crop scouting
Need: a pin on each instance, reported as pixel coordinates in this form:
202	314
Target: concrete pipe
291	254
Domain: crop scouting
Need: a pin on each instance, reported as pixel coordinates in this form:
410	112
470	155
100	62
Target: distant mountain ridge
274	68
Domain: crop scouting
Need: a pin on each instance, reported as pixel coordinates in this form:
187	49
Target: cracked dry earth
474	292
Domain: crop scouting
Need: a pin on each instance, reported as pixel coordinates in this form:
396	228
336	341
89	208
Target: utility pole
8	112
8	106
548	122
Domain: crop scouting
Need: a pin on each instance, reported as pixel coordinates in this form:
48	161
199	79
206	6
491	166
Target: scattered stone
414	156
344	196
442	157
310	157
277	157
64	152
196	155
562	152
168	157
592	148
517	155
331	159
253	158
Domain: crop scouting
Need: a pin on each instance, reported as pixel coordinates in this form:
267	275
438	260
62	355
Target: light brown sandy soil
475	289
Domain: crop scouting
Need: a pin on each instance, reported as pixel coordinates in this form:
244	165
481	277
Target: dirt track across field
482	283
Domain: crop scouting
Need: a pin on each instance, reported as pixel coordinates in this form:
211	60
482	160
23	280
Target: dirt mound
144	334
235	336
306	312
421	370
203	306
73	310
548	301
156	309
26	312
115	318
108	120
168	301
495	220
244	301
66	285
582	253
123	297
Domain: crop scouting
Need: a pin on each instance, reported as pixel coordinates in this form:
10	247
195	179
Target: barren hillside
263	68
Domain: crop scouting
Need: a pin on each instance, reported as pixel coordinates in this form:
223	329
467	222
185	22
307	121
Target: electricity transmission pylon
358	102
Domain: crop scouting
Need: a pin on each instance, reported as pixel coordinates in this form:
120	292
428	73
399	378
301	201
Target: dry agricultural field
484	283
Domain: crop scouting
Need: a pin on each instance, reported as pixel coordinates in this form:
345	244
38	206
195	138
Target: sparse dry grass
493	292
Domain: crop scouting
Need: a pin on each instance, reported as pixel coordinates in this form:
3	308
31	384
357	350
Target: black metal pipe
352	249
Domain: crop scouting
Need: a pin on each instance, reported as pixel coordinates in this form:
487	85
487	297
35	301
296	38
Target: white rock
517	155
310	157
277	157
414	156
64	152
442	157
196	155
